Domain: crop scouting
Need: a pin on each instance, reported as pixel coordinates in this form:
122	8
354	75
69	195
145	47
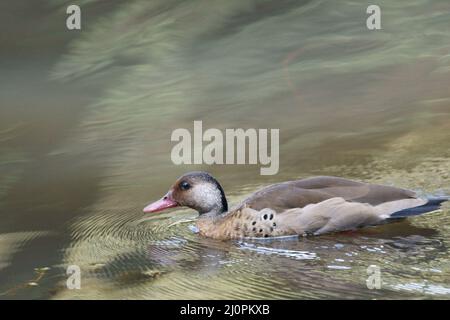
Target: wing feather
300	193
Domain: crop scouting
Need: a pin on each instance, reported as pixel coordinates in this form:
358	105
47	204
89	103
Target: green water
86	118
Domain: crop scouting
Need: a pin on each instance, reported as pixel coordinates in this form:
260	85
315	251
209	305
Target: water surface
86	119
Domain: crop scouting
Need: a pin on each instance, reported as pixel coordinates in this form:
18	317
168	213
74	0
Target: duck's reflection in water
274	267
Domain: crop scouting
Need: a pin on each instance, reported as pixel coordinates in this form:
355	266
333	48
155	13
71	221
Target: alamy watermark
73	21
373	280
74	279
234	146
373	22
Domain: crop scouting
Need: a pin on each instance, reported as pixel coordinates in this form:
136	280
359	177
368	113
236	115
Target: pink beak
160	205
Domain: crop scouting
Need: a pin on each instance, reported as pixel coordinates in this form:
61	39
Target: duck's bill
160	205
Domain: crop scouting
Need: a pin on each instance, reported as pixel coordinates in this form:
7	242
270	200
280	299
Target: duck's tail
432	204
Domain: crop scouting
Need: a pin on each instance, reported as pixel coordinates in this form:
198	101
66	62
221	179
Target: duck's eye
184	185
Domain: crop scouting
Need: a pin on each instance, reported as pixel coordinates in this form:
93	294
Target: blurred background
85	123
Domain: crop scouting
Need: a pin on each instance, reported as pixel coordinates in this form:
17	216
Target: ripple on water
423	288
294	254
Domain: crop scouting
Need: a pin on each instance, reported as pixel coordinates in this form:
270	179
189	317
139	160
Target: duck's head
197	190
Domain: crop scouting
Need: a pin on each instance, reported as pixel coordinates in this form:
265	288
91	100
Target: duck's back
299	193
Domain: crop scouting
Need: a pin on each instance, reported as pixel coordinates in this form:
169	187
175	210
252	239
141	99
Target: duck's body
309	206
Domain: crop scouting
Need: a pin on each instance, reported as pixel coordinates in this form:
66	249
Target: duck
310	206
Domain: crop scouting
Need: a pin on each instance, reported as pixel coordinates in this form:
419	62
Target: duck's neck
223	206
218	210
220	206
213	214
209	222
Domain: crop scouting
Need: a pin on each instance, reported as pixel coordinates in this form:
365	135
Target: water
85	125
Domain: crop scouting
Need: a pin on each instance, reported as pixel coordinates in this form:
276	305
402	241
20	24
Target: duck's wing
331	215
327	204
337	214
355	191
300	193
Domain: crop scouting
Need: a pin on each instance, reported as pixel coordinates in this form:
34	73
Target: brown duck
313	206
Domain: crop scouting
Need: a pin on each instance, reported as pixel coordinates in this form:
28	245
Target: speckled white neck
209	197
